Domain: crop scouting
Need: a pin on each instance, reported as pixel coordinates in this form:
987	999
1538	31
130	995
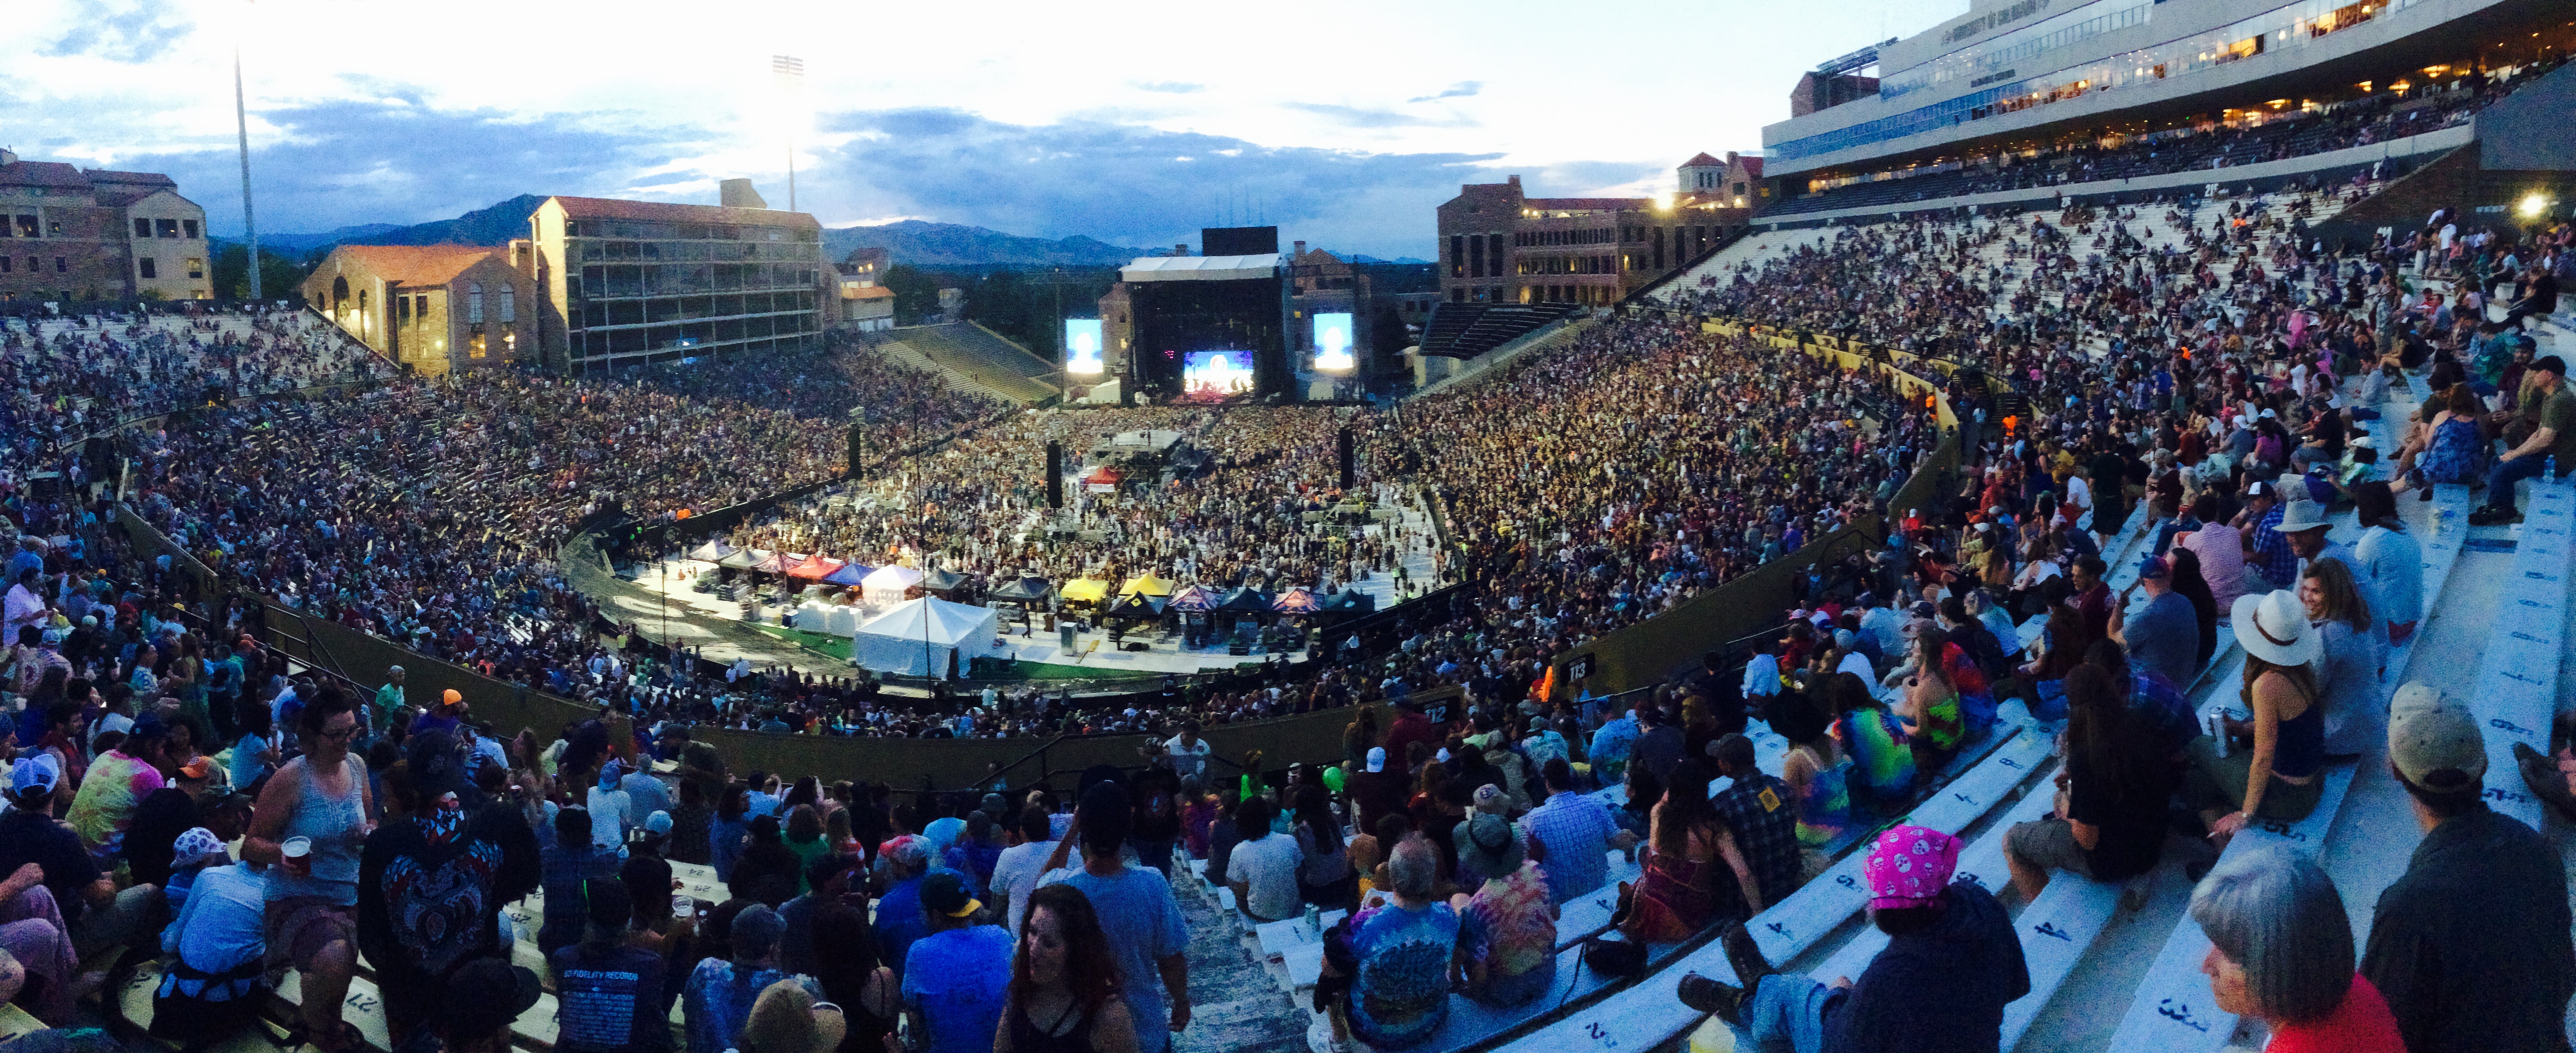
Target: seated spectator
717	1001
608	992
2470	946
1325	878
1262	869
2277	777
2348	673
1760	843
1951	964
1403	948
1507	929
1882	766
788	1018
214	984
477	1009
954	977
1817	773
571	861
79	899
2163	636
2109	824
768	870
1572	834
2281	952
117	781
1677	894
1064	992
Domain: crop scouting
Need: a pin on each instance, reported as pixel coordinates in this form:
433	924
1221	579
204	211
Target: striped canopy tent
713	551
743	559
1146	584
815	567
1085	590
1297	601
778	562
848	574
1193	598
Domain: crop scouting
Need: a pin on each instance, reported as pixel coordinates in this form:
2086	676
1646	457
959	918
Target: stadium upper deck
2012	79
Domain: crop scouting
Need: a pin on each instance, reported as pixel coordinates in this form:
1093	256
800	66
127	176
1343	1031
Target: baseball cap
198	768
486	994
755	931
658	823
1909	866
1489	798
2155	568
2258	488
37	773
1377	758
944	892
2434	741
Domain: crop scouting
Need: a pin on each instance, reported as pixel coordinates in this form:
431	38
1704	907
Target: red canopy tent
816	567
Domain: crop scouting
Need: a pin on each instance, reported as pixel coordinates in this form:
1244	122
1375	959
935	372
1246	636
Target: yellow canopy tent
1146	584
1084	590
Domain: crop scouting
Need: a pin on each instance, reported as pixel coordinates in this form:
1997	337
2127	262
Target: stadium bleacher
973	358
1466	330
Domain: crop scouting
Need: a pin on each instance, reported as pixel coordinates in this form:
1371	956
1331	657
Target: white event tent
916	637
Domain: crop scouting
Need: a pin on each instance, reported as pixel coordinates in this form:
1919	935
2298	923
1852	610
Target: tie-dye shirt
105	805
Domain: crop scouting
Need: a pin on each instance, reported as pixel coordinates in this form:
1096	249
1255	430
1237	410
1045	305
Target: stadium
2066	553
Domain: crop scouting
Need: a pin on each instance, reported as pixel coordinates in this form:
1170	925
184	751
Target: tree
916	294
280	275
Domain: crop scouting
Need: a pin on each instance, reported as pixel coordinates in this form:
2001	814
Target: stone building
433	308
1498	245
72	236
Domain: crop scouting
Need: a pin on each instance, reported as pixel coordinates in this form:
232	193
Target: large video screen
1333	343
1211	375
1082	347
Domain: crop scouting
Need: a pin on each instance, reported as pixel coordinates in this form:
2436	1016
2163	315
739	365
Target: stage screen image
1333	343
1082	346
1210	375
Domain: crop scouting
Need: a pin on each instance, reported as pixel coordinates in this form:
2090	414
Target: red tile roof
670	212
413	265
42	173
1752	166
1703	160
1593	204
150	179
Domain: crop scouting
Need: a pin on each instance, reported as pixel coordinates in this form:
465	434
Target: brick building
69	236
866	304
1498	245
434	308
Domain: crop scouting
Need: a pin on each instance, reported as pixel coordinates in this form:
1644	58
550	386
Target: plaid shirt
2272	554
1763	815
1577	831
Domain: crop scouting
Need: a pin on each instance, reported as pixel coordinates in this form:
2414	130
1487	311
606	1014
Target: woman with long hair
1675	896
2348	678
725	832
1818	773
1882	761
2278	776
2394	561
2188	583
2109	822
1064	995
805	839
767	871
1360	736
1325	877
1930	707
2456	449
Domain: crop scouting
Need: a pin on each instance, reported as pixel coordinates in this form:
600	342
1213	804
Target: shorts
299	927
2048	844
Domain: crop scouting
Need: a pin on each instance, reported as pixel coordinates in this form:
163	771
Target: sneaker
1704	995
1744	956
2494	517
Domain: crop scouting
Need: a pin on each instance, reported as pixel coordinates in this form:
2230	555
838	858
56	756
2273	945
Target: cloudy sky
1136	123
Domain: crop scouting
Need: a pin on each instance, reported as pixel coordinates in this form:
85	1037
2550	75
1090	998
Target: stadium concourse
2184	390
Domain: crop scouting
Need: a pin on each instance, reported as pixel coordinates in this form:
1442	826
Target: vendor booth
926	637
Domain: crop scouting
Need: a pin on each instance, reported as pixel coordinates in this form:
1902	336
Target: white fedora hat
2274	628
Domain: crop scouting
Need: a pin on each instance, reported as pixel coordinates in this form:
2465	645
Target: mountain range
913	242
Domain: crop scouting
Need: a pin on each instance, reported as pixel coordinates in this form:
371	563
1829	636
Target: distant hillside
921	244
495	226
298	243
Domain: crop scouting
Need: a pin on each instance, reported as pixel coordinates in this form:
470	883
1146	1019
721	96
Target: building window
1457	256
6	262
509	303
196	266
474	304
474	345
151	267
1499	254
188	228
142	228
1476	256
402	310
27	227
167	228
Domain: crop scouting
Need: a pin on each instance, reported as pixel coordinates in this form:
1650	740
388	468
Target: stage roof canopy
1200	268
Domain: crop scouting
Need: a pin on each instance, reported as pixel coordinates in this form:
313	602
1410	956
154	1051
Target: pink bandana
1908	866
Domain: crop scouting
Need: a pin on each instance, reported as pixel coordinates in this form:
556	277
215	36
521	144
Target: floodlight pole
241	126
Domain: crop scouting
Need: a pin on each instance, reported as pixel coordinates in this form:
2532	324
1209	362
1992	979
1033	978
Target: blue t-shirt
899	920
955	978
718	1002
1401	994
1144	926
609	1001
